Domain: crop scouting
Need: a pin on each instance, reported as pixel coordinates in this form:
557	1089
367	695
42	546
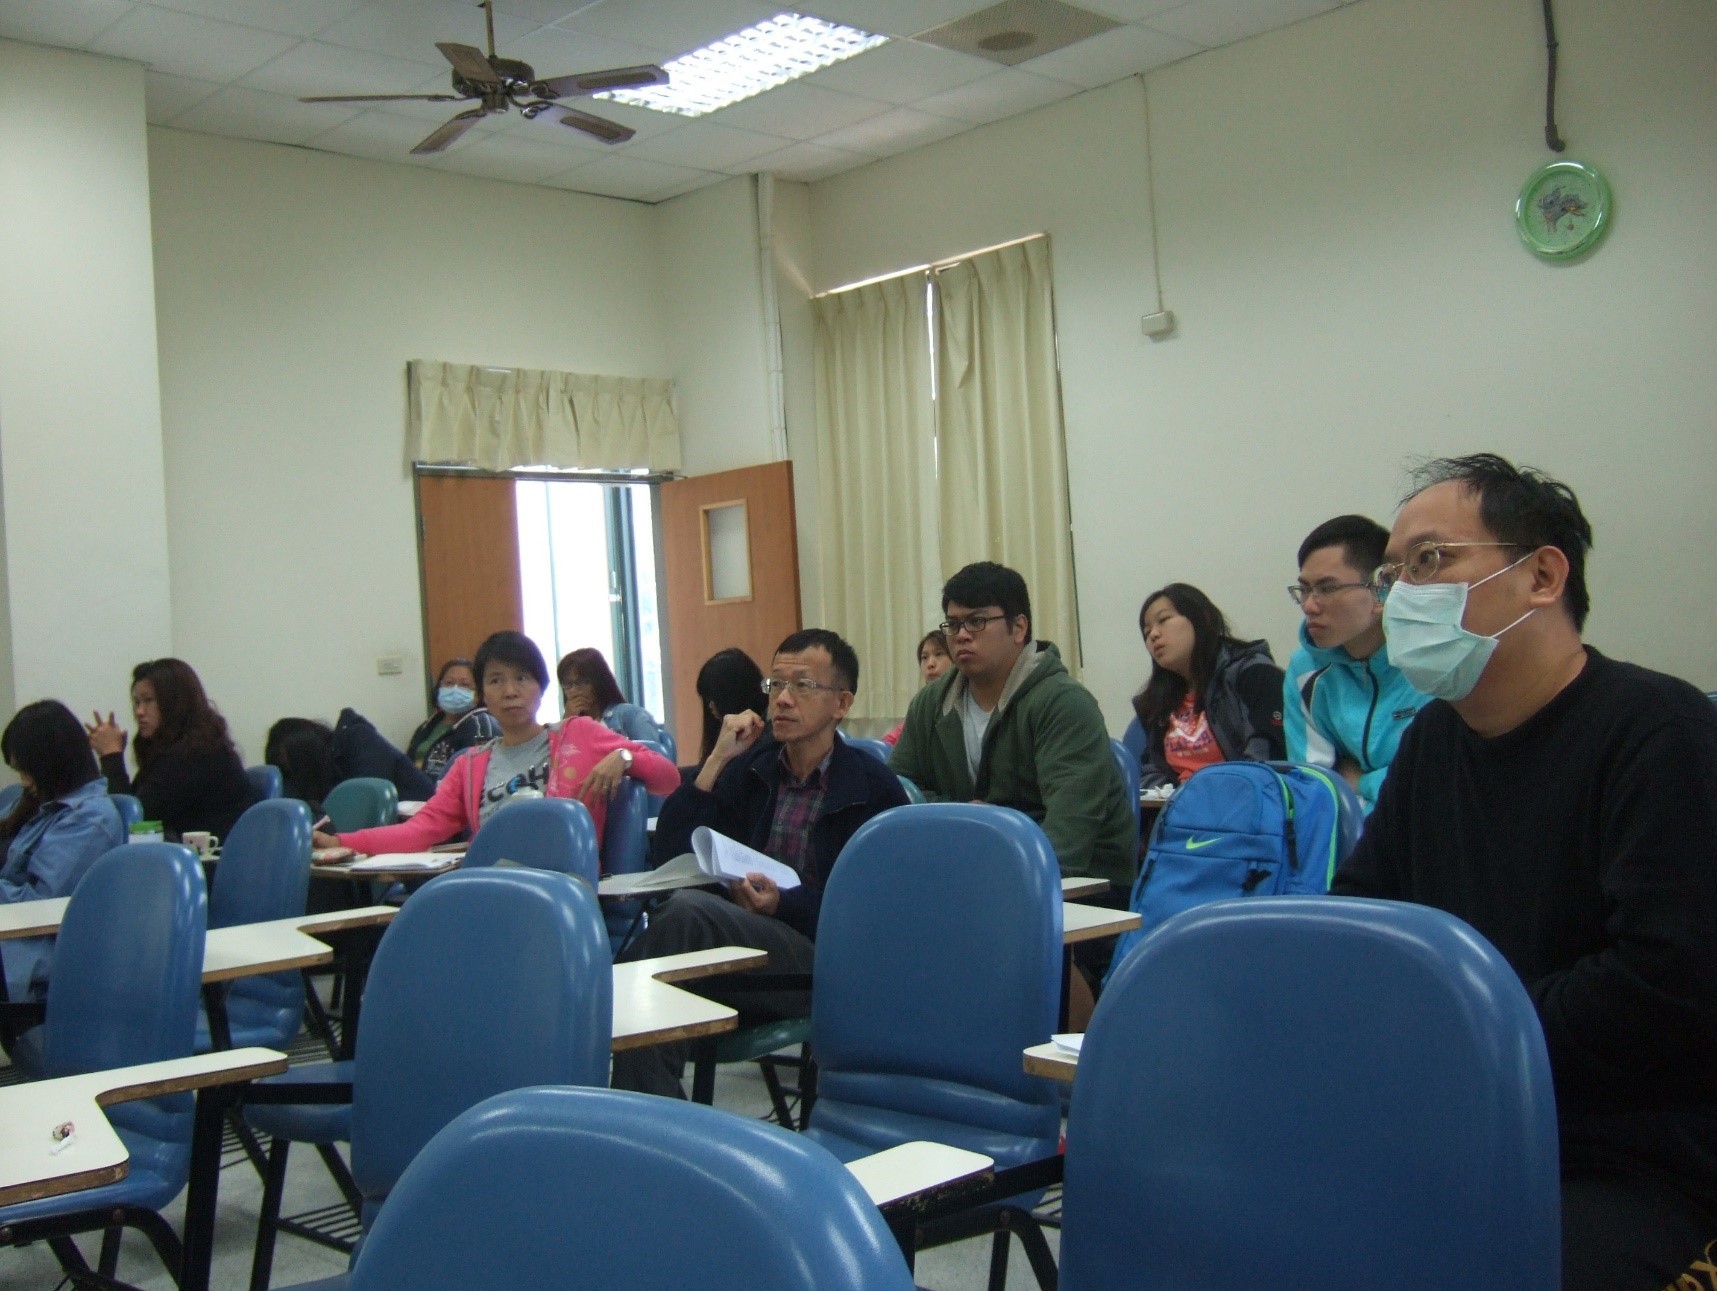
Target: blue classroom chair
923	1006
9	795
362	802
548	1188
130	809
1128	765
541	834
266	781
128	961
1333	1092
878	749
626	850
489	980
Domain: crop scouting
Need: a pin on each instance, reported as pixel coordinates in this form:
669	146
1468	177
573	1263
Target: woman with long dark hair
457	720
1211	697
588	689
728	683
60	827
313	757
189	775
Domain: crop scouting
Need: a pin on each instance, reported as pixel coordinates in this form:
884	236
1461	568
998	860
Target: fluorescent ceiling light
770	53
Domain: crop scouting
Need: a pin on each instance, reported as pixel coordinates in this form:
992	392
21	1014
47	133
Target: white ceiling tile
704	145
166	96
675	25
496	156
1222	22
808	162
73	23
250	114
542	10
382	136
553	52
690	186
1110	56
315	68
1001	94
894	131
293	17
1130	10
799	111
408	29
902	71
618	175
186	45
894	17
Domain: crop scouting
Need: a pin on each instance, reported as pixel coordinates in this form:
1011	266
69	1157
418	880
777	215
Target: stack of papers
1070	1041
714	858
407	861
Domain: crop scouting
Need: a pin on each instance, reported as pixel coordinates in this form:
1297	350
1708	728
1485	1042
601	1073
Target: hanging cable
1551	137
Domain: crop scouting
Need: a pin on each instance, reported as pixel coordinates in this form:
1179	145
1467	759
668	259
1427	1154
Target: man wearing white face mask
1565	805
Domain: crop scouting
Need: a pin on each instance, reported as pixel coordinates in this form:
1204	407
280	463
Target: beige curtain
500	418
1001	454
875	471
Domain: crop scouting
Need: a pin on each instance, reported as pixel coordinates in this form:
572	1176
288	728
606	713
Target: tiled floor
964	1267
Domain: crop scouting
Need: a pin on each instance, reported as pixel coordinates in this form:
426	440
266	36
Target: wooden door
730	575
468	548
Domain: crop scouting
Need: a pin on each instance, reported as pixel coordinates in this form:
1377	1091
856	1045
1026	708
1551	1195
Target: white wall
1334	210
85	536
293	286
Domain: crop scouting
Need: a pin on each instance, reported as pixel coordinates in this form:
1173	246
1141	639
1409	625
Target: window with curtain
940	442
504	418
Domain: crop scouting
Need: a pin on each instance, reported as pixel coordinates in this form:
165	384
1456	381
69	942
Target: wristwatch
626	758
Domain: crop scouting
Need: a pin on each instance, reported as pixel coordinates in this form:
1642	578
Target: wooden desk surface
32	918
913	1170
1076	886
248	949
1051	1060
30	1168
1091	923
649	1009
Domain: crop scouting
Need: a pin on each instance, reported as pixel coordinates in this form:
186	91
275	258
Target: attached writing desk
1076	887
1051	1060
95	1154
650	1009
32	918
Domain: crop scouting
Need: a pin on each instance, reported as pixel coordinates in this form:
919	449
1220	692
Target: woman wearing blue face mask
455	722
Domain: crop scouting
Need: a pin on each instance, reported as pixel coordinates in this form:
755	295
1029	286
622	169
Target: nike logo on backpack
1193	844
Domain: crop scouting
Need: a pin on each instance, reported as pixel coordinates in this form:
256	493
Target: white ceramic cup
200	841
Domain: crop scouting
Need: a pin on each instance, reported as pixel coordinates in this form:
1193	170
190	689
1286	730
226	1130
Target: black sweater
1583	845
186	788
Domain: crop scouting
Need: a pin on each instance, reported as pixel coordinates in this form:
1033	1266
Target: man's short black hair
513	648
842	655
1522	506
1360	538
987	583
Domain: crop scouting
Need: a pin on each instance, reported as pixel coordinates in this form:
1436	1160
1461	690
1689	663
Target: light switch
390	665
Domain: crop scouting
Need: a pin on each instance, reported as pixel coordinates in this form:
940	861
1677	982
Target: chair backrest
542	833
1127	763
1133	740
669	745
878	749
264	871
125	983
626	840
938	960
362	802
9	795
546	1188
129	806
489	980
1347	1093
266	781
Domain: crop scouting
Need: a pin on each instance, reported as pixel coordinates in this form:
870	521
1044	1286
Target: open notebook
714	858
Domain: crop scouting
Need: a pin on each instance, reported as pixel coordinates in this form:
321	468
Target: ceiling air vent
1015	30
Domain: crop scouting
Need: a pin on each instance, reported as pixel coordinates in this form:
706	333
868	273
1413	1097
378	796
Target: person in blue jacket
588	689
61	825
1344	704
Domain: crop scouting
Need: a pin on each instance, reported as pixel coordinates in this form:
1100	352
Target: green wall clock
1563	210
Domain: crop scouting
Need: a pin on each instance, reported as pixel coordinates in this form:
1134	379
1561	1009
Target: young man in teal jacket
1009	725
1344	705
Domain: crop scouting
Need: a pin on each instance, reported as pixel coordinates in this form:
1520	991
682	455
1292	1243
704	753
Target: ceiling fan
501	84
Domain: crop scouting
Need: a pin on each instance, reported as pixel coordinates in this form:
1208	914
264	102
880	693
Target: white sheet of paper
405	861
1070	1041
727	859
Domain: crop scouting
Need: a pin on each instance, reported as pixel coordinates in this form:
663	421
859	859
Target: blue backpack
1240	829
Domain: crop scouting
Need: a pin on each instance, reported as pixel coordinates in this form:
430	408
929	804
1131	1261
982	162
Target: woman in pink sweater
578	758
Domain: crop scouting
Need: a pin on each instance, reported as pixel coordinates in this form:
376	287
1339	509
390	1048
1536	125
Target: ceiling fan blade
470	62
380	98
596	127
447	134
614	78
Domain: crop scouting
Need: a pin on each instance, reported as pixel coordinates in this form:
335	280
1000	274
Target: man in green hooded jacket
1010	726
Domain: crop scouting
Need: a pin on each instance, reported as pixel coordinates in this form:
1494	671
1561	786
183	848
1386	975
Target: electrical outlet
390	665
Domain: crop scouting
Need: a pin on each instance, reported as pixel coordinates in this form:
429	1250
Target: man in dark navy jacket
796	794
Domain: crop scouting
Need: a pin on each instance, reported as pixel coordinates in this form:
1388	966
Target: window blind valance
502	418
